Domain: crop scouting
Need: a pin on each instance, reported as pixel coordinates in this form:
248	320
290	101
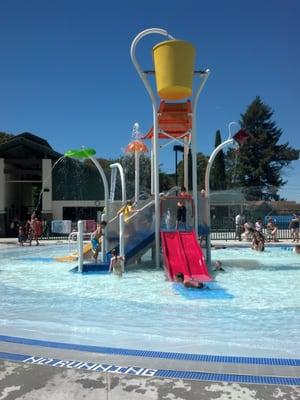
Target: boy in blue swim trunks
96	235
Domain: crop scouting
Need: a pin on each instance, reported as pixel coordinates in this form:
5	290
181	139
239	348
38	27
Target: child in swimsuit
116	263
97	234
190	282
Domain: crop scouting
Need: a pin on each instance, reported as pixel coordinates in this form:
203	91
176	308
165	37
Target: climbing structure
174	113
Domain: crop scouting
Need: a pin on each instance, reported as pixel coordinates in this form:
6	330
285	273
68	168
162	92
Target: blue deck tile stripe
167	373
293	362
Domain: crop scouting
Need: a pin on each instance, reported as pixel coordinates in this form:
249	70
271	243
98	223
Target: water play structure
174	105
174	72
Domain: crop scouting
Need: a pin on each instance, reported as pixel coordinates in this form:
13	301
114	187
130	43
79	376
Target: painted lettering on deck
96	367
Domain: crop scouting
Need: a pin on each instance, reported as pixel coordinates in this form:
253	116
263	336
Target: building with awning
28	181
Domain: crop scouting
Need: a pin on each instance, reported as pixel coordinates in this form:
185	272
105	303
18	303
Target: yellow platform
74	257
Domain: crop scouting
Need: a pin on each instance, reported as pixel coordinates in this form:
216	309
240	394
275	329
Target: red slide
174	257
182	253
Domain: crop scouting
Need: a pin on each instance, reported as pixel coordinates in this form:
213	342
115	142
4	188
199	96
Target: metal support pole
204	76
149	89
156	186
137	176
121	237
176	171
185	163
152	172
104	239
207	195
105	183
123	182
80	245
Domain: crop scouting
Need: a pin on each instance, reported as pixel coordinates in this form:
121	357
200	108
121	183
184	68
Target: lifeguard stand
174	117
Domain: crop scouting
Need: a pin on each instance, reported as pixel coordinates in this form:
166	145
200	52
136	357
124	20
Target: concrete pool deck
36	370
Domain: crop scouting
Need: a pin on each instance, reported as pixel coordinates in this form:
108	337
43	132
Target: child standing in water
116	263
22	235
95	238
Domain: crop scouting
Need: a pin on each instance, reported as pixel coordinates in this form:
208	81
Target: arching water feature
38	204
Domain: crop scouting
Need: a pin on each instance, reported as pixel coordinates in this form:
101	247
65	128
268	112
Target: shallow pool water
260	316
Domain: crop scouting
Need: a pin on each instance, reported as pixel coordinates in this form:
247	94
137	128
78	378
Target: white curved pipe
137	177
123	183
207	195
105	183
229	128
149	89
122	237
80	245
205	76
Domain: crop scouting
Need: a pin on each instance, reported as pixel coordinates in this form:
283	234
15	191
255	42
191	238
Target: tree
128	164
260	161
201	167
218	173
5	137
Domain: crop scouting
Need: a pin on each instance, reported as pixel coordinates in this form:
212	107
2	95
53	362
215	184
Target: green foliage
202	161
5	137
166	181
128	164
260	161
218	173
201	167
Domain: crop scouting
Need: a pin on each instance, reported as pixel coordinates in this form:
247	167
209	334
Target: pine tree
218	173
260	161
201	167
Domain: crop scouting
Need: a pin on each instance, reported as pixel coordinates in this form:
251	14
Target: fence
226	231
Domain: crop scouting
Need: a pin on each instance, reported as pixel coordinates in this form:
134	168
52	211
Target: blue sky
66	73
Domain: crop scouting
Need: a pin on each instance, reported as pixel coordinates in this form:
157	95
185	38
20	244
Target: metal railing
221	232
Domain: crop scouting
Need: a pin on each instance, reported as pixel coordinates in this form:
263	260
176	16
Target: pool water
42	299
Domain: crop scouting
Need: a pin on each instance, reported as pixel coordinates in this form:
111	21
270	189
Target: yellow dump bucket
174	67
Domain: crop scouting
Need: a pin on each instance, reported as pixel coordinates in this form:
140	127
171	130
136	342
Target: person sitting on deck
190	282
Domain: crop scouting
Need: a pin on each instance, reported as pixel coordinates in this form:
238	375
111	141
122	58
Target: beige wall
47	183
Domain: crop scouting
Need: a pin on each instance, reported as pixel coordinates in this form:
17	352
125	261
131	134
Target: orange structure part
136	146
175	119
